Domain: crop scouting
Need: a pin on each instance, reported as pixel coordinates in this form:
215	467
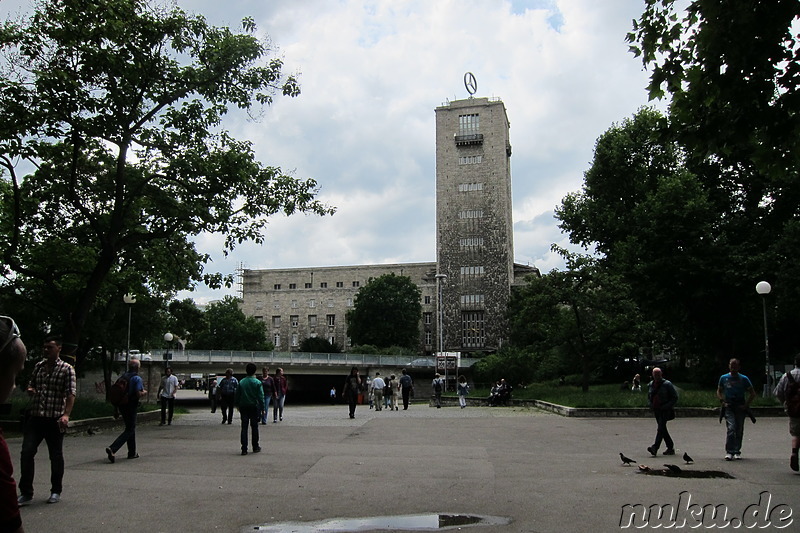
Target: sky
373	71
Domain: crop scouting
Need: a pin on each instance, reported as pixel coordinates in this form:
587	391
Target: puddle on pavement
695	474
415	522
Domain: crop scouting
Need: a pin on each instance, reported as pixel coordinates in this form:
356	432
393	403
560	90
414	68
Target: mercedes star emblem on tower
470	83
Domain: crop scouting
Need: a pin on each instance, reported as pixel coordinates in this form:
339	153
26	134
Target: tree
386	311
118	107
586	312
318	345
227	328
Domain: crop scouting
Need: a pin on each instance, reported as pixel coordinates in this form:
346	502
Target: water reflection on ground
415	522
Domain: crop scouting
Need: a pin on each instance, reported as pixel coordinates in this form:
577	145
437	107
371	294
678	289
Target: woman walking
463	390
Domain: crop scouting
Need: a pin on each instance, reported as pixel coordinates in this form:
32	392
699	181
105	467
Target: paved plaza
543	472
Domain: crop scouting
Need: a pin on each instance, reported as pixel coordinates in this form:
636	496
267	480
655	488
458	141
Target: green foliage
227	328
318	345
386	312
118	106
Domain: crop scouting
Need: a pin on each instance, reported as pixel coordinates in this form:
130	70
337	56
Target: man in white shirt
377	390
166	394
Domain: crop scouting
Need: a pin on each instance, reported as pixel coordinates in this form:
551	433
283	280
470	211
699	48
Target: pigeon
644	468
675	469
626	460
687	458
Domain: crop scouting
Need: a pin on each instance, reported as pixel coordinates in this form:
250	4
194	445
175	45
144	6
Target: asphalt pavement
531	470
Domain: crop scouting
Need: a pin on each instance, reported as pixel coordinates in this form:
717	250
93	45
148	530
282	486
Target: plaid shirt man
52	389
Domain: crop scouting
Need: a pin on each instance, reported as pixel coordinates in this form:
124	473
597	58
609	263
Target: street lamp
440	279
129	300
168	337
763	288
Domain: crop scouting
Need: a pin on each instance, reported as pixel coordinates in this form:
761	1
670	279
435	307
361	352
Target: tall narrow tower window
468	124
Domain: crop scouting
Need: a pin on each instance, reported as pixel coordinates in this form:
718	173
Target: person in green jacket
249	400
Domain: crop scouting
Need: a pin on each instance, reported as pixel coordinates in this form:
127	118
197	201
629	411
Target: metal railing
303	358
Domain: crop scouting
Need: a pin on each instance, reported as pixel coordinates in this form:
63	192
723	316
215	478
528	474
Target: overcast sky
371	74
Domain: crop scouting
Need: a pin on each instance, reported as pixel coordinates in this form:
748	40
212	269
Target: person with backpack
129	409
395	386
788	392
438	385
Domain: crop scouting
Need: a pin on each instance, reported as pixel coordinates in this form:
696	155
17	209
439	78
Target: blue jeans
128	436
36	430
734	420
278	408
267	400
250	417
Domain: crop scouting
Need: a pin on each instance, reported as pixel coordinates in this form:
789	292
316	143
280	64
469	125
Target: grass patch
610	396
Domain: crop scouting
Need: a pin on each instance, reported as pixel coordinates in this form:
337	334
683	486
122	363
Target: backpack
792	396
118	393
437	385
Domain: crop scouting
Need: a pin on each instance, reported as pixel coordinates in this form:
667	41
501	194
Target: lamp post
763	288
129	300
440	279
168	338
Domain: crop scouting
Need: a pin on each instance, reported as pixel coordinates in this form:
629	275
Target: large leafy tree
585	312
225	327
386	312
117	106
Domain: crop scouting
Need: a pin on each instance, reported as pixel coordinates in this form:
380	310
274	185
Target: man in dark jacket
662	396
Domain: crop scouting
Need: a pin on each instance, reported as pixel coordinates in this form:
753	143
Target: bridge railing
301	358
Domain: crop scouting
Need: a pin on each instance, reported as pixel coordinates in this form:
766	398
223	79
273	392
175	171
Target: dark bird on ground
687	458
626	460
675	469
644	468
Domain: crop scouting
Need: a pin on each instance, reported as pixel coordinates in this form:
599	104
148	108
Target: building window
323	285
331	320
468	124
470	160
470	187
330	302
295	340
356	284
472	300
294	304
295	320
312	321
427	318
277	286
427	300
276	321
428	338
471	242
307	285
472	272
472	329
339	284
276	339
276	304
470	213
293	285
312	302
349	302
259	317
332	340
259	304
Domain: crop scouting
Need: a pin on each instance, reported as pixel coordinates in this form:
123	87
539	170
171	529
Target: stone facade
475	251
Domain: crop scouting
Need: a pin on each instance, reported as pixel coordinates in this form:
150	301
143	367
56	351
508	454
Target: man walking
52	390
377	390
662	396
731	391
166	393
407	385
438	385
227	389
12	361
129	410
249	400
788	392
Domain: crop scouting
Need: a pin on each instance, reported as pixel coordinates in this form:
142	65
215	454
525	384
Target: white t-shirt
169	385
378	383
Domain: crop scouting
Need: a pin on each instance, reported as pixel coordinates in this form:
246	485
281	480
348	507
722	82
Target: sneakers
793	462
54	498
652	451
24	499
737	456
669	451
110	455
729	457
